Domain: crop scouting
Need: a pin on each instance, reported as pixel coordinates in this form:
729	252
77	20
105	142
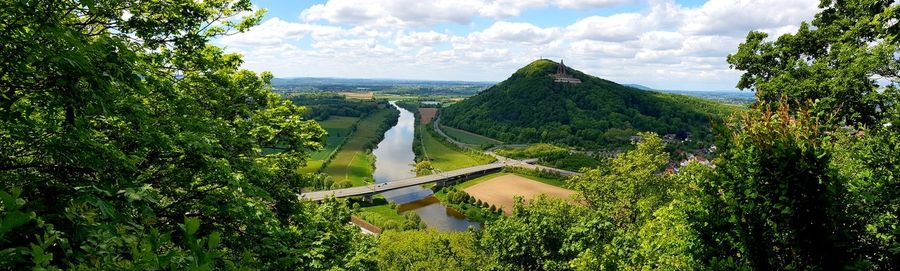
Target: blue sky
669	44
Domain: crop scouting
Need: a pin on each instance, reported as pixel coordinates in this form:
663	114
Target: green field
444	157
468	137
353	162
338	128
550	181
381	215
478	180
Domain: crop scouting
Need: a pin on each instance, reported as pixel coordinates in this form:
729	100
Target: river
394	160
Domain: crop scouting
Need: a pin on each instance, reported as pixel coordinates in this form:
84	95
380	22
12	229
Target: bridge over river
442	177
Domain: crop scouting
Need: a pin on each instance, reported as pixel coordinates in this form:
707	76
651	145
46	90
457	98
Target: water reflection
394	160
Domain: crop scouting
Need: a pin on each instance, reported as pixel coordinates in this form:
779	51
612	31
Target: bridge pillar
368	198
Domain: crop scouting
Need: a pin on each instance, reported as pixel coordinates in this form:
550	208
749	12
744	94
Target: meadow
469	137
339	129
353	163
444	157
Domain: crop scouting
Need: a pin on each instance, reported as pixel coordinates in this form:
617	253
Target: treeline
549	174
392	118
474	209
553	156
417	147
806	179
596	114
323	105
129	142
146	155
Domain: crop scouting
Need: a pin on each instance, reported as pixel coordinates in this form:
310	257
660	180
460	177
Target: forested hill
598	113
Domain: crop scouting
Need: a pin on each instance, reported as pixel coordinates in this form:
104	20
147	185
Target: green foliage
469	138
532	151
552	156
870	169
529	107
429	250
423	167
628	188
354	164
533	238
322	106
444	155
781	198
137	145
835	62
545	176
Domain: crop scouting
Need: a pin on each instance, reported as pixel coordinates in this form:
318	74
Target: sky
664	44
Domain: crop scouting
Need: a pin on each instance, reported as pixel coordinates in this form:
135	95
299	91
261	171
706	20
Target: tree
839	62
627	188
429	250
423	167
534	236
135	143
775	200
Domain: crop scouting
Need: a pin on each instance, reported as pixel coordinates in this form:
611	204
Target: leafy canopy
128	142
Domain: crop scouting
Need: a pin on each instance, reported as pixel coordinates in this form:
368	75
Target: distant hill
641	87
531	107
392	86
722	96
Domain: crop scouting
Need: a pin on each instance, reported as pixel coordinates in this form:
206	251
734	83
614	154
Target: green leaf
191	225
214	239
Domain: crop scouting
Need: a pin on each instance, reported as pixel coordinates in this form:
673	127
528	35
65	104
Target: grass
380	213
444	157
550	181
478	180
468	137
353	162
338	128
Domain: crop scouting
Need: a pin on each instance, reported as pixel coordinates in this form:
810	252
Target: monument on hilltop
561	76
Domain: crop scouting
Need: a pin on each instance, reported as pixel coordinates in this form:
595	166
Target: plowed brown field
500	191
427	114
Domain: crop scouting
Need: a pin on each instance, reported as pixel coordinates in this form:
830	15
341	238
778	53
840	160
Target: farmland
444	157
339	128
353	162
366	95
427	114
501	190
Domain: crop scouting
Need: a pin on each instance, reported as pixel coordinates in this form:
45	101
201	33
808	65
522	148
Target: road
443	176
393	185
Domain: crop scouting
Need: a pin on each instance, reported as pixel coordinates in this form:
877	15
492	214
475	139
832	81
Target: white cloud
516	32
421	39
417	13
270	32
393	13
618	27
664	44
737	17
604	49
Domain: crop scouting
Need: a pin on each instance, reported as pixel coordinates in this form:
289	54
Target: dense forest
531	107
131	143
323	105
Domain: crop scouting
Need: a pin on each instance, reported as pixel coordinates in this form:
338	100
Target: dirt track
500	191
